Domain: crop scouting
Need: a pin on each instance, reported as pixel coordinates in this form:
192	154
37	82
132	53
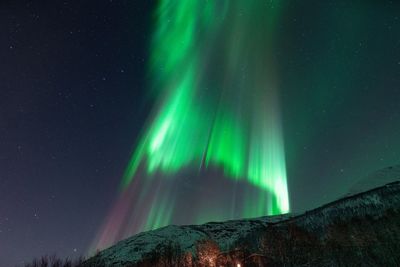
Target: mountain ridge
353	223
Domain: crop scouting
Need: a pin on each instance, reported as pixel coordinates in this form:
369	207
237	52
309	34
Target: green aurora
236	126
214	78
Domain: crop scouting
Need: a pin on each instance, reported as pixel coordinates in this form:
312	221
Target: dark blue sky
71	106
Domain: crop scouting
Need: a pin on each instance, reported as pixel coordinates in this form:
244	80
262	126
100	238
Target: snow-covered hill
358	230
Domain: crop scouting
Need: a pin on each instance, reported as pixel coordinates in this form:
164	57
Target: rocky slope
359	230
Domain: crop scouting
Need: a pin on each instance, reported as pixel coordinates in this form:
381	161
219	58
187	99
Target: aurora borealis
119	115
223	116
232	121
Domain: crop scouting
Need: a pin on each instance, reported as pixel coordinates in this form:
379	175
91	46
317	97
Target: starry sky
74	100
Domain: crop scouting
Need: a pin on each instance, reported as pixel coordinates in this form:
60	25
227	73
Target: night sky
74	100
